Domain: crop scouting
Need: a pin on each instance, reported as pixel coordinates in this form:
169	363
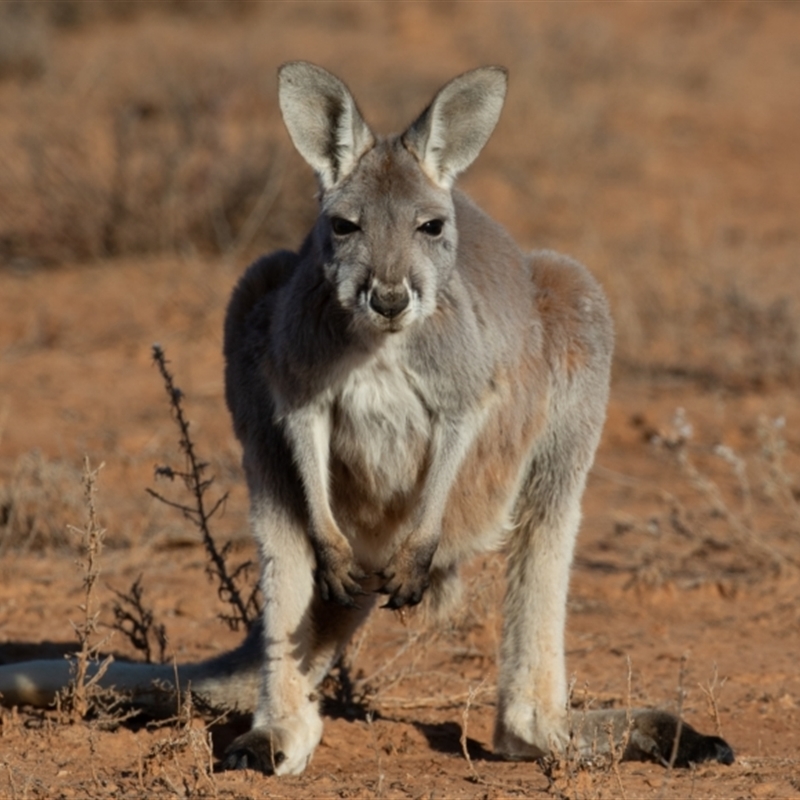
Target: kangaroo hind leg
532	690
532	719
303	635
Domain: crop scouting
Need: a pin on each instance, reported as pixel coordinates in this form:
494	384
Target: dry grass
153	144
23	42
182	761
711	691
729	517
138	157
36	501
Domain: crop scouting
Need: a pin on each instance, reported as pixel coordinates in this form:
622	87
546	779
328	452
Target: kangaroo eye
343	227
433	227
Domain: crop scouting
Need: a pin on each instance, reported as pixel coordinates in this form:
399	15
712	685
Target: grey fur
410	389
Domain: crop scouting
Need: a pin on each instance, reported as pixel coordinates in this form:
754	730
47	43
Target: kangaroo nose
389	302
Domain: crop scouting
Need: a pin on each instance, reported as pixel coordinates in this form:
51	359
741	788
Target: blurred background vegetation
656	142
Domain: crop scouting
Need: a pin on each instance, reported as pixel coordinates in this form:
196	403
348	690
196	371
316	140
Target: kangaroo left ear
449	134
323	120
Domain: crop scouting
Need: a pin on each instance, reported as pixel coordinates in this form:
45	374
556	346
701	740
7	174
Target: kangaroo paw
530	736
405	579
273	751
254	750
338	578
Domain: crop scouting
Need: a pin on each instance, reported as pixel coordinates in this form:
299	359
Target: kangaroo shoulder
480	237
494	269
247	321
263	276
573	309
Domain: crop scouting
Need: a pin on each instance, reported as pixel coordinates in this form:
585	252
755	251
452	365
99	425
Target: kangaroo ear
453	129
323	121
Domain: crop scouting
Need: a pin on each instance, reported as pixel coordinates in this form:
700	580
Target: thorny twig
137	622
464	741
618	750
670	765
184	736
245	610
77	699
711	690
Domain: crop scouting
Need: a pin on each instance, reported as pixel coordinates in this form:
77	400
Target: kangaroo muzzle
389	302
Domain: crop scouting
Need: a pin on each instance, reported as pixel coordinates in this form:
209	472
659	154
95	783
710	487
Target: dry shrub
762	338
137	622
159	170
23	42
729	518
84	695
199	509
145	145
36	501
75	13
167	137
26	27
164	765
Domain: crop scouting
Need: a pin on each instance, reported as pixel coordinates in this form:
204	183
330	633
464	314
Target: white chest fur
381	431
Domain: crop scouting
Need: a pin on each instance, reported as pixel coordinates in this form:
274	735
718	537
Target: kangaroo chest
380	437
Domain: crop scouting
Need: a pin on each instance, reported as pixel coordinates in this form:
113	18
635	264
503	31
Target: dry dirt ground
142	162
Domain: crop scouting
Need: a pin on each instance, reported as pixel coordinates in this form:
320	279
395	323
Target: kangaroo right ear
449	134
323	121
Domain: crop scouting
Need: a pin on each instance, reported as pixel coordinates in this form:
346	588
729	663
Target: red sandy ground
684	571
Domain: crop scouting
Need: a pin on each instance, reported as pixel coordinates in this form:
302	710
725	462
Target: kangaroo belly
379	448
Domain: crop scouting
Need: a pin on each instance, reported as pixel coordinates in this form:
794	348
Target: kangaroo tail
648	735
228	682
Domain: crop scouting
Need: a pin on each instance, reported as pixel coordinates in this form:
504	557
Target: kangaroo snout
389	301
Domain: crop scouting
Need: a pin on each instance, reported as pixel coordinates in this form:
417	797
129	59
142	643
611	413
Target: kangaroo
410	389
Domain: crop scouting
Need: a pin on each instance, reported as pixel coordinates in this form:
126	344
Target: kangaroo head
387	230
